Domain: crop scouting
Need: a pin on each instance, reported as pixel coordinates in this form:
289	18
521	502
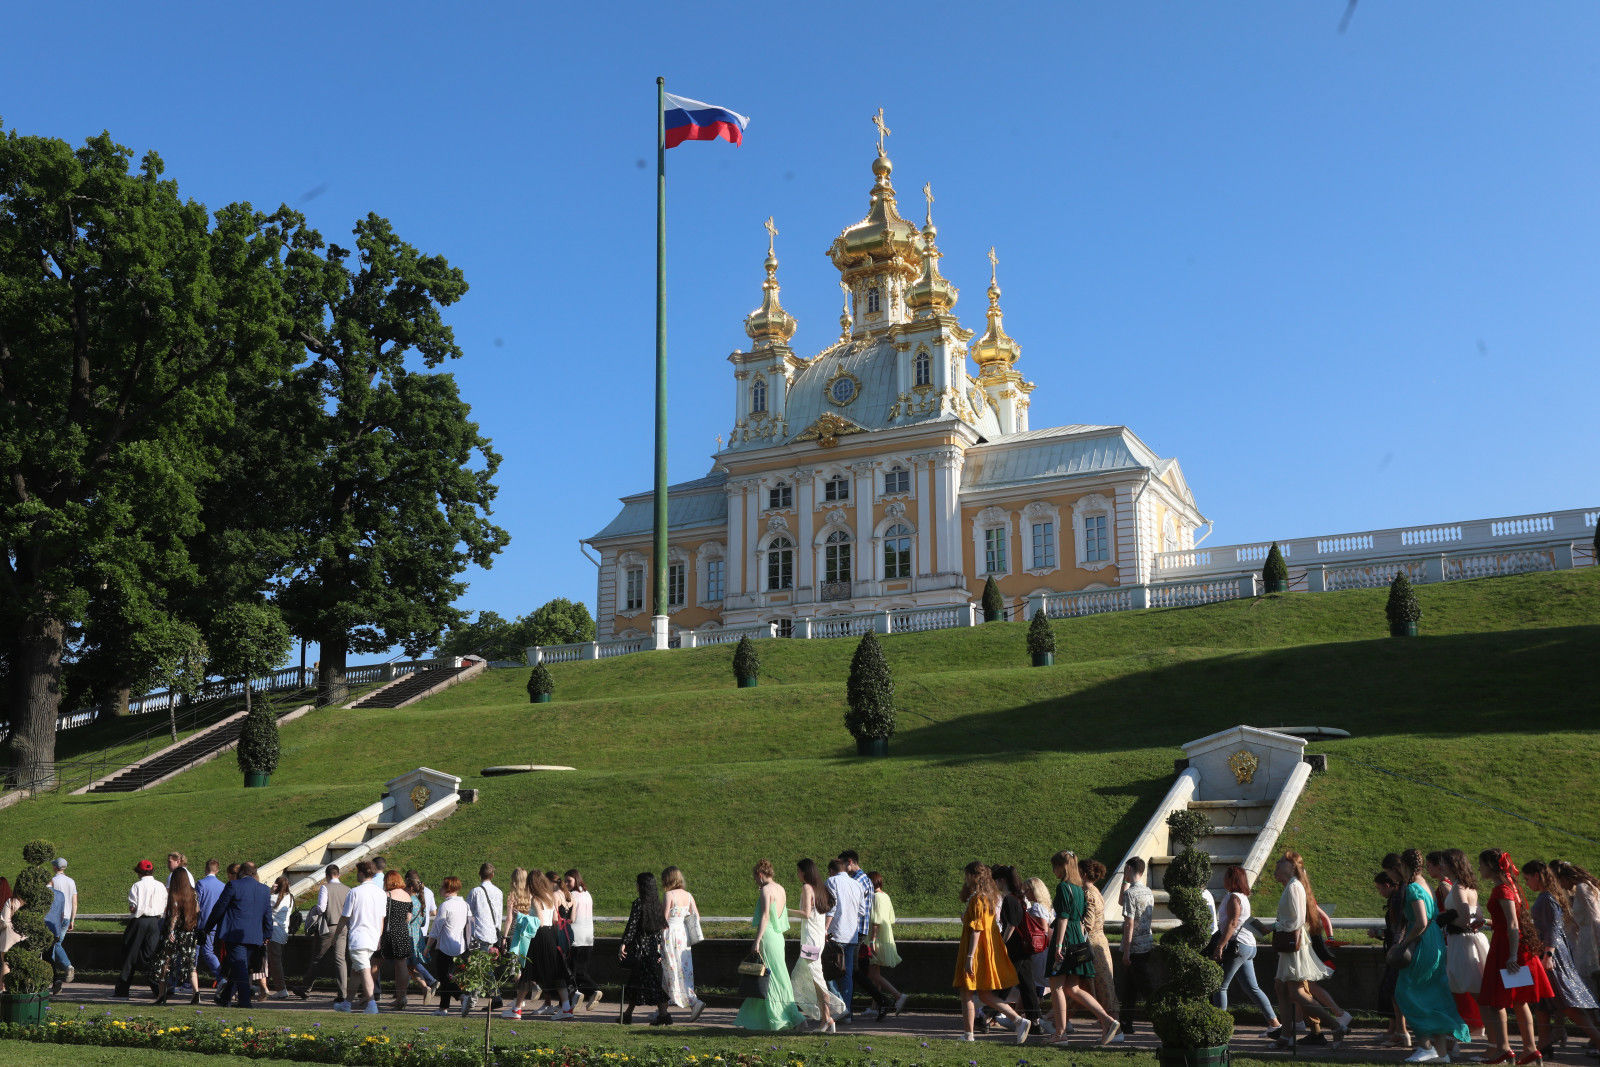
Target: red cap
145	867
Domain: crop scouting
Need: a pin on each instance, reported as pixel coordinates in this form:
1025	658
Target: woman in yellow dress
980	967
880	936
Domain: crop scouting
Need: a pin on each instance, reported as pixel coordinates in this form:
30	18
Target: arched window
780	563
897	552
923	368
874	301
758	397
836	557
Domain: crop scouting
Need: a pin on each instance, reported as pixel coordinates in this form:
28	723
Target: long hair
577	881
1236	880
539	891
5	890
414	884
651	918
1552	885
979	883
280	888
1037	891
1006	880
182	903
519	897
672	878
1411	862
1298	862
1091	870
1065	864
1504	871
809	875
1460	871
1571	872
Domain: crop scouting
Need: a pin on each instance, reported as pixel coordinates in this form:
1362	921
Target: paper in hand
1522	977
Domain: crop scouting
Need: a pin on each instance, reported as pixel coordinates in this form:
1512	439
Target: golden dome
932	292
770	324
995	351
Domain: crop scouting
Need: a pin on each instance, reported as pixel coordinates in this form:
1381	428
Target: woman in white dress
677	960
1465	947
1583	919
811	993
8	933
1298	966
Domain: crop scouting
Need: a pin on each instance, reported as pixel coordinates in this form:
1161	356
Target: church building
882	473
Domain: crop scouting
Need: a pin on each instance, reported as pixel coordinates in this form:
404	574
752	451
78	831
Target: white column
752	528
924	517
805	554
862	493
947	504
734	580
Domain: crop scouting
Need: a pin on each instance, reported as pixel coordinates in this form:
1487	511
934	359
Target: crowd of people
1029	958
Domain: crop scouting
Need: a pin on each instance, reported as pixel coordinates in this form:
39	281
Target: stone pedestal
1244	763
659	632
415	790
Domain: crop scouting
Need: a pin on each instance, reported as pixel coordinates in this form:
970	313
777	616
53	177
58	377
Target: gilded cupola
878	257
932	294
995	352
770	324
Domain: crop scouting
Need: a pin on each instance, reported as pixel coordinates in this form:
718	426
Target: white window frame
780	497
874	300
758	397
677	592
1091	506
898	530
709	556
921	368
629	563
901	474
991	518
1035	513
767	551
838	544
836	490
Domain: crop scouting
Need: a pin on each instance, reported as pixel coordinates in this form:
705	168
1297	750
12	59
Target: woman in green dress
1422	988
880	938
776	1010
1071	968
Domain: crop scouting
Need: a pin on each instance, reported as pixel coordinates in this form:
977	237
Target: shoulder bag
833	960
753	977
1285	940
691	928
1400	955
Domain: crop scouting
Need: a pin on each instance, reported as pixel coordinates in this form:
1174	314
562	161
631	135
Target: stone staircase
192	751
418	684
1246	781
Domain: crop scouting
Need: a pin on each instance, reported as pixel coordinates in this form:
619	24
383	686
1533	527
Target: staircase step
1205	805
303	868
1217	860
1235	831
373	829
341	847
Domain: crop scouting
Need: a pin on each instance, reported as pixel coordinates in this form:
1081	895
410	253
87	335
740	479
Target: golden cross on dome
927	191
883	131
772	234
994	267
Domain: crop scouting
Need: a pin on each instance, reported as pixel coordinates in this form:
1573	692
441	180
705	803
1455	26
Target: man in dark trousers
242	920
141	941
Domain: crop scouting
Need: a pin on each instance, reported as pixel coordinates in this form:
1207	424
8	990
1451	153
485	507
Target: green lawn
993	759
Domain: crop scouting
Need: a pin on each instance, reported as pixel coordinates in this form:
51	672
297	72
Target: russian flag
693	120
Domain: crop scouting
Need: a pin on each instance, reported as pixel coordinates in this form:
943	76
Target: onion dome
995	351
932	293
769	324
883	239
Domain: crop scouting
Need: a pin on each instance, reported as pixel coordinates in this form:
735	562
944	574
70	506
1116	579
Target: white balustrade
1498	564
1372	575
1093	602
1195	593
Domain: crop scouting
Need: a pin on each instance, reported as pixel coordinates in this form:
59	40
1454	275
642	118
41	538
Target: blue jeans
58	955
845	987
1244	964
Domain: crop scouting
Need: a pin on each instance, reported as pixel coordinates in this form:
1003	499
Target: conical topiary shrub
540	685
1192	1029
30	977
1041	639
870	693
994	605
1275	572
746	664
258	745
1403	609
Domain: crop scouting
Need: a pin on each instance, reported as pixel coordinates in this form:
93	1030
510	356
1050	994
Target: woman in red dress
1514	946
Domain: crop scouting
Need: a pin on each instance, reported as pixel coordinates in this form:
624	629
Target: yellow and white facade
883	473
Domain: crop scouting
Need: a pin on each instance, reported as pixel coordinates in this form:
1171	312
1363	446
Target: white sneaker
1119	1039
1423	1055
548	1009
900	1003
1047	1028
439	1011
966	1037
696	1006
511	1013
282	994
1003	1021
1345	1020
563	1016
592	999
1022	1031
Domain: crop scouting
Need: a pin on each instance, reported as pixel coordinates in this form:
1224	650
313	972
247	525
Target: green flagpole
659	601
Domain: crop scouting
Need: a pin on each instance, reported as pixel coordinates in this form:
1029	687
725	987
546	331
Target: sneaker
1423	1055
282	994
1111	1033
1345	1020
303	993
695	1008
1118	1039
341	1005
72	972
966	1037
466	1006
440	1011
1022	1031
511	1013
592	999
371	1008
564	1016
900	1004
1047	1028
1002	1021
546	1009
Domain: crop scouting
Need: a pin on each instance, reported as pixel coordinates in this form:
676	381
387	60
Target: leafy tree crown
870	693
28	960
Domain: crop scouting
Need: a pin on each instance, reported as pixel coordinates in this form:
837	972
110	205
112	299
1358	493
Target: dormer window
836	488
922	367
780	496
874	300
758	397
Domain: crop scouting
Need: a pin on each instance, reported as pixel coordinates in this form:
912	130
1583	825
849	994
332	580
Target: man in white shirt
63	912
362	919
447	937
844	927
147	900
486	903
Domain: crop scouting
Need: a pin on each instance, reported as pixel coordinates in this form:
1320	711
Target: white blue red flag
693	120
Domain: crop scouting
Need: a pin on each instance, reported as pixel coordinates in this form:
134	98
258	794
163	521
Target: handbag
1400	955
1229	950
1072	957
753	977
317	922
691	928
1285	940
833	967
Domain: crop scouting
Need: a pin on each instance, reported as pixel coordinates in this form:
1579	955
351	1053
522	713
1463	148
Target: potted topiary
28	983
994	605
1041	639
746	664
258	745
1193	1031
1275	574
539	685
870	693
1403	609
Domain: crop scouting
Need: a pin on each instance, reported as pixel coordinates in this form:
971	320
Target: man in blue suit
242	919
207	891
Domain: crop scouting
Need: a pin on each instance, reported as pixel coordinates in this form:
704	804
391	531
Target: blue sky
1348	279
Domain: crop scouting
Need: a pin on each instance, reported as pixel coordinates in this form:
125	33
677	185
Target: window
836	488
758	397
1044	545
714	579
836	557
780	496
785	627
635	589
897	552
897	481
780	564
675	584
922	368
994	551
1096	548
874	301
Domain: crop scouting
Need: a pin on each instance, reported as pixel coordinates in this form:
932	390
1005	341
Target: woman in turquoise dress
777	1010
1422	989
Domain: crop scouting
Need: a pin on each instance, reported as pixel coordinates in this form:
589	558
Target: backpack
1038	932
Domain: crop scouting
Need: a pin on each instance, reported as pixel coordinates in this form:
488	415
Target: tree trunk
35	699
112	701
331	687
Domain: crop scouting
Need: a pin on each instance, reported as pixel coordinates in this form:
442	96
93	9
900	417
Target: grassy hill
1495	707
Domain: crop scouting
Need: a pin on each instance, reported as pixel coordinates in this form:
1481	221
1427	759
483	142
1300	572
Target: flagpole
658	621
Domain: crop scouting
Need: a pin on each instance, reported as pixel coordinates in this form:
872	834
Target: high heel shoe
1503	1056
1534	1056
196	998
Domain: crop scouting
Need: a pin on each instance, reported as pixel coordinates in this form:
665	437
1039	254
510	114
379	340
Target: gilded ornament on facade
1243	764
420	797
827	430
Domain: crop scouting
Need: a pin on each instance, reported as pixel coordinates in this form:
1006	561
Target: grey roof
1057	452
873	362
701	502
